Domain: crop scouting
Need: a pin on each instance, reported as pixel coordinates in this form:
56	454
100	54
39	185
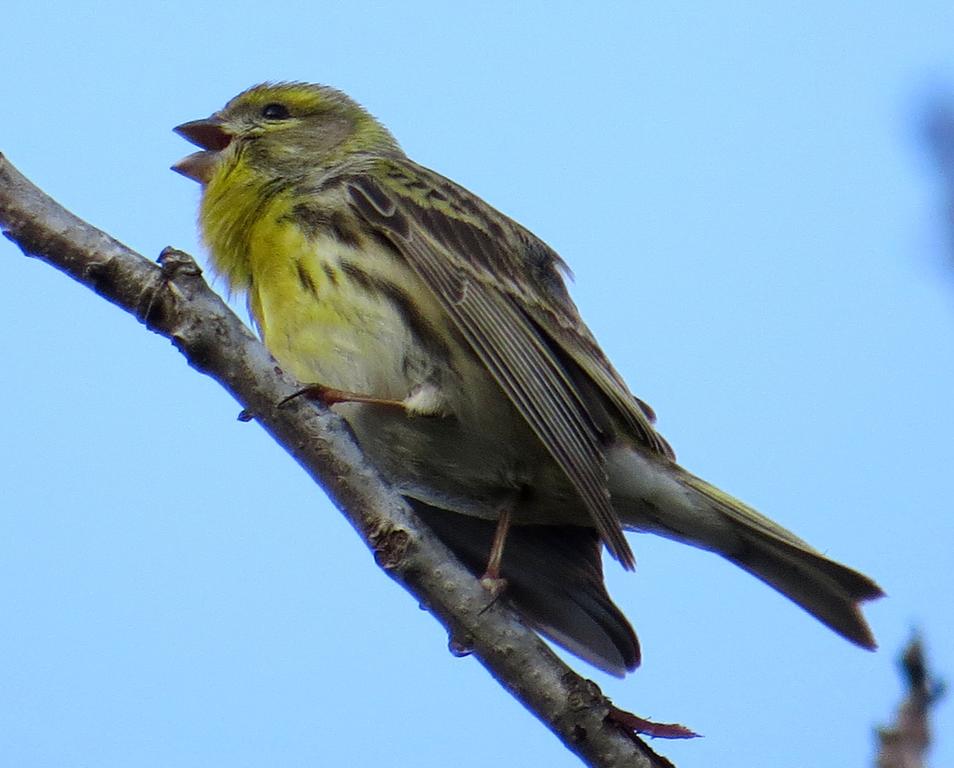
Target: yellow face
287	131
263	158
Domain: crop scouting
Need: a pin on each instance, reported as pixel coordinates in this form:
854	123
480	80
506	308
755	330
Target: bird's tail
684	507
831	592
554	580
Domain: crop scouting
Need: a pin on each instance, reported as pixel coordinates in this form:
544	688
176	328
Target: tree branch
173	300
905	742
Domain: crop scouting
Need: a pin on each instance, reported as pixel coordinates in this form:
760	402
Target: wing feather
501	332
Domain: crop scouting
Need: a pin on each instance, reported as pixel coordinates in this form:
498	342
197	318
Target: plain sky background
756	231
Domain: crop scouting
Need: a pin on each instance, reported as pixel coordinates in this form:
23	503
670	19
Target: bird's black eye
275	112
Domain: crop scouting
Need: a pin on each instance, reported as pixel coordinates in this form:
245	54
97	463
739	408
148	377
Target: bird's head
285	130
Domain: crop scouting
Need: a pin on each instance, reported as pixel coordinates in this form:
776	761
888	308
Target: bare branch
173	300
938	132
905	742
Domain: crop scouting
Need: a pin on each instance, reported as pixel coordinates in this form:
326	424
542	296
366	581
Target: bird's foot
642	726
495	585
330	396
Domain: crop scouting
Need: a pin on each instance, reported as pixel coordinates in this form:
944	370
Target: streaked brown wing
511	259
577	342
483	306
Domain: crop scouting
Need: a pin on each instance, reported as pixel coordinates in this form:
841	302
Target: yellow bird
443	332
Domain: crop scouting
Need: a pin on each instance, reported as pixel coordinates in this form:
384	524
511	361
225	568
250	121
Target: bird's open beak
209	134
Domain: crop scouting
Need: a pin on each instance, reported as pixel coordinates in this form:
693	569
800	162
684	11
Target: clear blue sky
757	239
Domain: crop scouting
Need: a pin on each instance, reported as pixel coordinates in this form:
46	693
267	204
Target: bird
444	334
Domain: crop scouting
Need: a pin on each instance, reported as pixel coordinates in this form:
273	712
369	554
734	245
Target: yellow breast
333	306
324	313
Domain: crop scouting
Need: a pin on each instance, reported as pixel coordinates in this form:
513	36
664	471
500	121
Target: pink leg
330	396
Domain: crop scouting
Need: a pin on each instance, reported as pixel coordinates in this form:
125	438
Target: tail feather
831	592
554	579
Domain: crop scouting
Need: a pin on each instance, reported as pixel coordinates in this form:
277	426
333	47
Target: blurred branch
905	743
939	135
173	300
